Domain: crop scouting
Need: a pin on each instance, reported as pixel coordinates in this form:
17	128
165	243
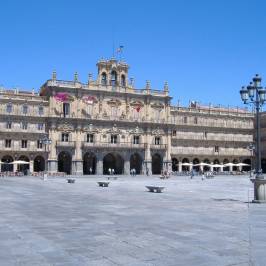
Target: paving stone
193	222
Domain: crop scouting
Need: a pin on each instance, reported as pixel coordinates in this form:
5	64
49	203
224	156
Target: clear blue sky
206	50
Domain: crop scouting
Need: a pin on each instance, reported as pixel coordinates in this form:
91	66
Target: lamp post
46	141
255	94
251	148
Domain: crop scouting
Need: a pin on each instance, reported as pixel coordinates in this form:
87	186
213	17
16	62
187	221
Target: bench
103	184
155	189
71	180
112	177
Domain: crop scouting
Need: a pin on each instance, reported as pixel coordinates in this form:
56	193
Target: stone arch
157	164
196	161
206	167
216	161
263	165
226	168
89	163
39	164
113	78
185	167
235	168
246	168
23	167
104	78
113	161
6	167
123	80
64	162
175	163
136	163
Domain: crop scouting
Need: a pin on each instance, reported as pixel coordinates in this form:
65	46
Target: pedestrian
134	172
90	171
109	171
192	174
203	176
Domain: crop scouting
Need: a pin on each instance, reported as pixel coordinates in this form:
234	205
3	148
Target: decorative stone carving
90	129
114	130
158	105
158	132
65	127
114	102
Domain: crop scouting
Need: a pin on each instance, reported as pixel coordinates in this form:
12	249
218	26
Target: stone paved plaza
193	222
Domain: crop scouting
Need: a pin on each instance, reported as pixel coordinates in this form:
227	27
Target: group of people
133	172
111	171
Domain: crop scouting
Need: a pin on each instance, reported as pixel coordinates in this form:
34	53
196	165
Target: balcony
124	145
14	147
158	146
67	144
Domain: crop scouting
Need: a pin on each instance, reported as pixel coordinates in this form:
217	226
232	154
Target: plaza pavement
193	222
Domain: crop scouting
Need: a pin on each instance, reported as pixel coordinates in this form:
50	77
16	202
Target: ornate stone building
108	123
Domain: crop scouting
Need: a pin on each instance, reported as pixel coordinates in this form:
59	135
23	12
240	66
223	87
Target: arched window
113	78
123	81
104	79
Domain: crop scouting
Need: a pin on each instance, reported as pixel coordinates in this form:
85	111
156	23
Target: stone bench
155	189
112	177
71	180
103	184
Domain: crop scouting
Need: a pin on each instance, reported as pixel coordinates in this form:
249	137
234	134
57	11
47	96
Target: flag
63	97
138	108
120	49
89	99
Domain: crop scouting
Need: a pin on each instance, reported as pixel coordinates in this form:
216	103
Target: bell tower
112	73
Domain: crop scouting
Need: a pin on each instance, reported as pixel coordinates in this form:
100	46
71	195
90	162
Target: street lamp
45	140
256	95
251	148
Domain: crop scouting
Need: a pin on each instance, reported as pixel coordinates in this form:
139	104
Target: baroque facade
109	124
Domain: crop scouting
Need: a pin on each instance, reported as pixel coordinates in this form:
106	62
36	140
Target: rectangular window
205	135
66	109
157	140
39	144
174	133
40	126
113	138
9	108
216	148
8	125
24	143
25	109
195	120
136	140
65	137
8	143
90	138
185	120
40	111
24	125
